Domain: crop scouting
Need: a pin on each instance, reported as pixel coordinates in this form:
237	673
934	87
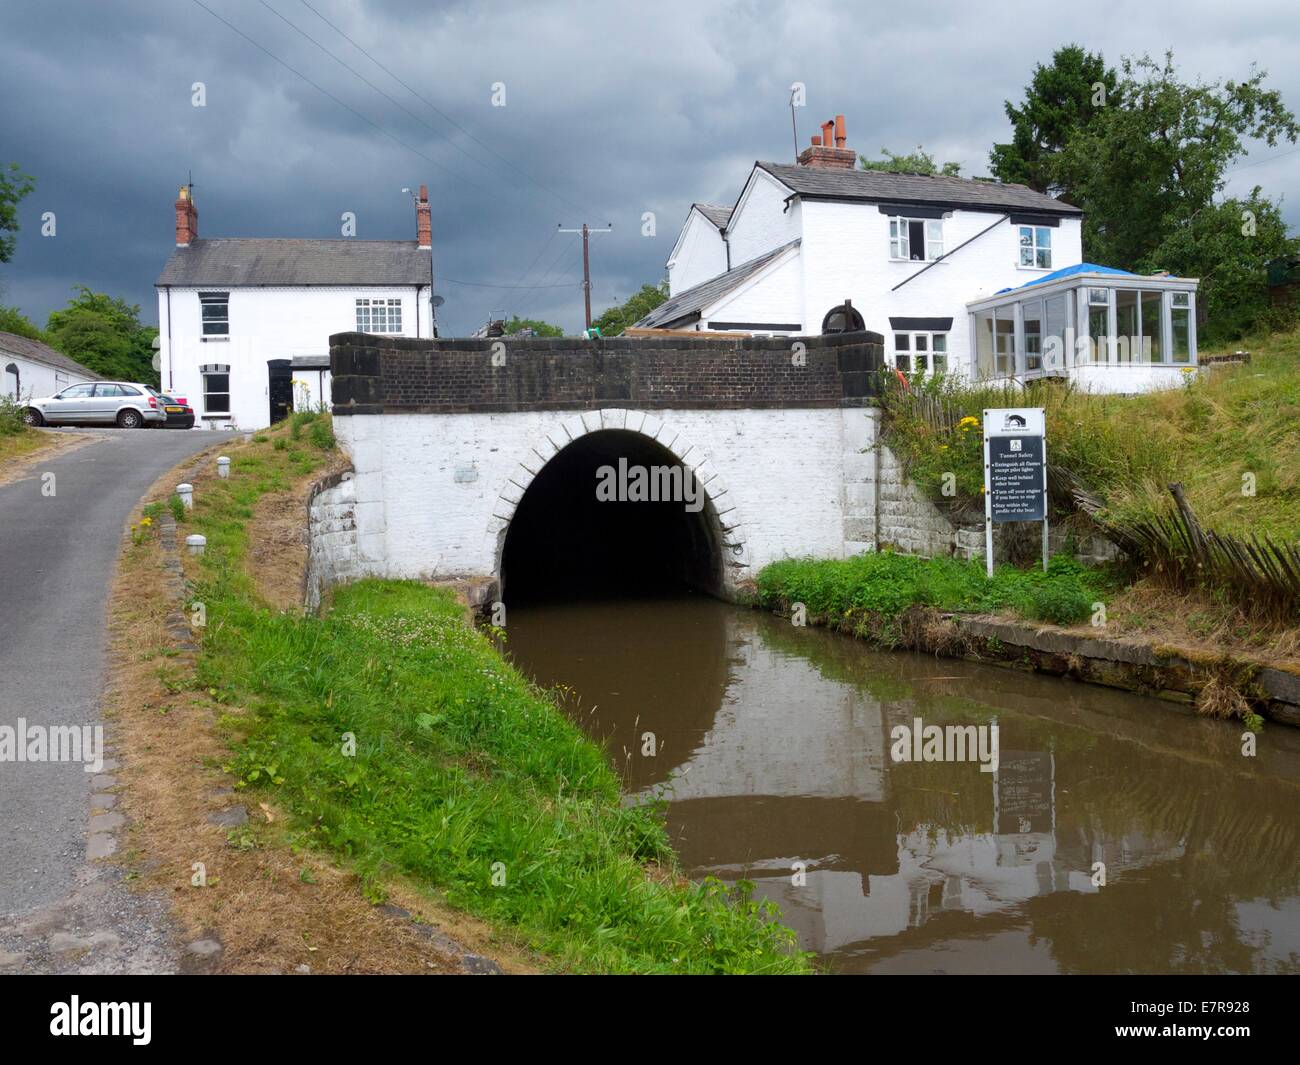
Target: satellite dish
438	301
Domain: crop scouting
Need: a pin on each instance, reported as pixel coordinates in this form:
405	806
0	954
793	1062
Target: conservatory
1106	330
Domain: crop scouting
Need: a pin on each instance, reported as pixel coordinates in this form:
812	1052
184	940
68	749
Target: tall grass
463	776
887	584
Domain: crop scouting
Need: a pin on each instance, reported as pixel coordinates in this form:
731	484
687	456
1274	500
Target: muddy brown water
773	747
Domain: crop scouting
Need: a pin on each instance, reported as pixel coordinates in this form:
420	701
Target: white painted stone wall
332	551
434	493
762	221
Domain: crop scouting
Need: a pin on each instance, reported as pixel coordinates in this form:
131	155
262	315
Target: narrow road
57	558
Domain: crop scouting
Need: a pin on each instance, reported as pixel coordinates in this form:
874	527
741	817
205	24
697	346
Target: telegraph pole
586	232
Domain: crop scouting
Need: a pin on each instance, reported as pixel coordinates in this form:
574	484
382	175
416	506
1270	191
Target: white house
927	261
30	369
244	324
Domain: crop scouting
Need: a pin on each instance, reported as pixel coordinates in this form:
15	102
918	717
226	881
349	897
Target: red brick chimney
828	149
187	219
423	223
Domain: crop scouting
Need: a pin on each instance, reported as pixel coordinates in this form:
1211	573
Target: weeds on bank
887	584
398	739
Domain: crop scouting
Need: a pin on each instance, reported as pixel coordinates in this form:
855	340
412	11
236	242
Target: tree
1060	99
917	162
14	185
12	320
1227	246
614	320
539	328
104	334
1146	167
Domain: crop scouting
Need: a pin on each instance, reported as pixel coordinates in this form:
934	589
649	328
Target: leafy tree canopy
104	334
12	320
14	185
615	319
1061	98
917	162
1147	166
540	328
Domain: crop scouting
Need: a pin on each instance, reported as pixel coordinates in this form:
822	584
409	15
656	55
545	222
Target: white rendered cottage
932	263
244	324
30	369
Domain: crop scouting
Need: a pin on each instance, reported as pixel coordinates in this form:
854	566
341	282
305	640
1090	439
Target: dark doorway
565	543
280	388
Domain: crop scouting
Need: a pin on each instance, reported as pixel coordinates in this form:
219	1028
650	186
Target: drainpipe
171	361
726	243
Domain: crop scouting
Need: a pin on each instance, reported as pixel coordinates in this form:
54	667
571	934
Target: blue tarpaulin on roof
1069	271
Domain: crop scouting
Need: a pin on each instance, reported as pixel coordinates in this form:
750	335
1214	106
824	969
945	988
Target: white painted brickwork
432	495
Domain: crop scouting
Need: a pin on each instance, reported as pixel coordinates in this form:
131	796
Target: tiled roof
280	261
696	298
715	213
12	344
882	186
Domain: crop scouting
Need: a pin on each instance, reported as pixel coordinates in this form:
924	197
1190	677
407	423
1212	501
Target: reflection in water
773	745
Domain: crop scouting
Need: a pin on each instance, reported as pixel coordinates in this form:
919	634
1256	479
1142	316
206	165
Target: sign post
1015	471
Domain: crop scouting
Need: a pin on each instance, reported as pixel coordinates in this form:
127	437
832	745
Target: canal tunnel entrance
612	515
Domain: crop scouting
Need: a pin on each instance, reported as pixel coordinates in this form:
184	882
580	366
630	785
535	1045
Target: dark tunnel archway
564	542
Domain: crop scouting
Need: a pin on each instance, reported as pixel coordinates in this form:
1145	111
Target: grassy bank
1222	424
397	739
883	586
1229	436
16	439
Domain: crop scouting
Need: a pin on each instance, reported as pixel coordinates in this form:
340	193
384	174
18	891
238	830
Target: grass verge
396	738
885	585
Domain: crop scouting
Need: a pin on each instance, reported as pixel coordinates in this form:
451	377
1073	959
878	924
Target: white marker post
1015	471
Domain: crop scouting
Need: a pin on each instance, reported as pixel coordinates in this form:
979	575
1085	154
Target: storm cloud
612	110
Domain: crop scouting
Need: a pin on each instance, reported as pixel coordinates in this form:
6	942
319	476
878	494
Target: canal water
773	745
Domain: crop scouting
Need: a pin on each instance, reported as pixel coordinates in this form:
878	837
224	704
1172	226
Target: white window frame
914	336
225	372
220	326
373	311
1033	247
900	243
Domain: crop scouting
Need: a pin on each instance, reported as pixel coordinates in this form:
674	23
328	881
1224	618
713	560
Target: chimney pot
423	220
829	148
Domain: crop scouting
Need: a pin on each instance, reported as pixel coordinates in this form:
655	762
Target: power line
489	284
1267	159
323	91
357	74
486	147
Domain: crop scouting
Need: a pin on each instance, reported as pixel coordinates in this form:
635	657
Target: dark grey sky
612	109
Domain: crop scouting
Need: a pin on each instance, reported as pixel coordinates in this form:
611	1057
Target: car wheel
31	416
130	419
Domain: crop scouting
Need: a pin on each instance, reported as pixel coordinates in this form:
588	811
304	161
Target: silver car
123	403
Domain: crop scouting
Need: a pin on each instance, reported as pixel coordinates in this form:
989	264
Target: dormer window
915	239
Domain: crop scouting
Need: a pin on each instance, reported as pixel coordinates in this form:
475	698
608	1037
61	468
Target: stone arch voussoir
730	527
